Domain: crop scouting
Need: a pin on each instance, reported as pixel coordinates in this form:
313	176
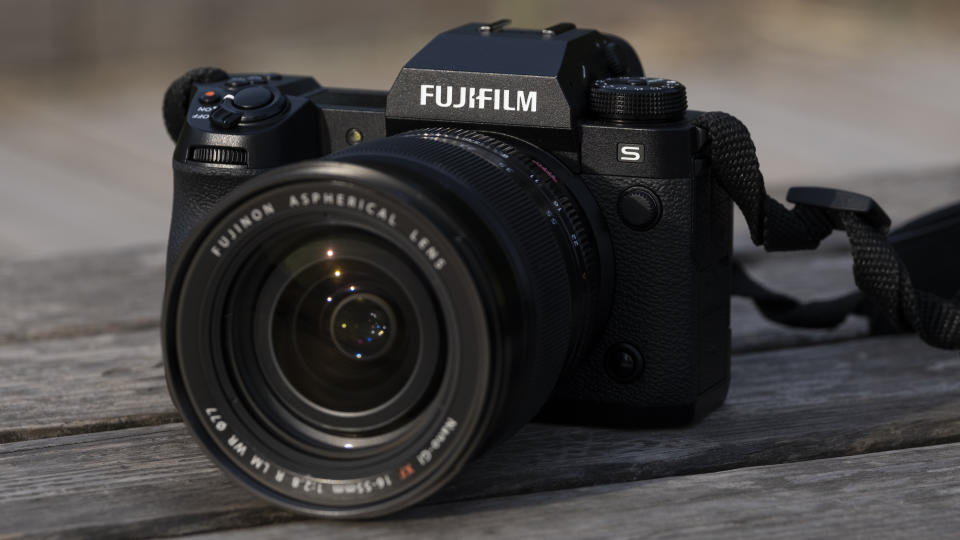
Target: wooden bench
823	434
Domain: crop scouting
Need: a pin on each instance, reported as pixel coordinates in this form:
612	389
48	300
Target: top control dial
638	99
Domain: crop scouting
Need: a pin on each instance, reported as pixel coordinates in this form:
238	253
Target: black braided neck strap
878	270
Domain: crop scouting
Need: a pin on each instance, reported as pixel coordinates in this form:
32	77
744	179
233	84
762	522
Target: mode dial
638	99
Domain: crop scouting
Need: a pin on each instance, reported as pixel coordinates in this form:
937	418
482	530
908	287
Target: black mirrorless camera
366	289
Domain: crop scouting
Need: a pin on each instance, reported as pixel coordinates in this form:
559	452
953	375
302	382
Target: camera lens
343	332
344	335
336	338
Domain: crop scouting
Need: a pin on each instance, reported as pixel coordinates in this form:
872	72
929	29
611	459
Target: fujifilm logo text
496	99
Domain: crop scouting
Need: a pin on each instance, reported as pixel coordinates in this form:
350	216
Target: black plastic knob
638	99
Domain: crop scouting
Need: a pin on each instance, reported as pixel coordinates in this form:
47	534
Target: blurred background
834	92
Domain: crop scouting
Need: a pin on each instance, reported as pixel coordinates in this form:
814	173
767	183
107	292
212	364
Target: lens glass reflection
345	334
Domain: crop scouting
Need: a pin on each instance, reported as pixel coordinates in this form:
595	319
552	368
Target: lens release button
253	98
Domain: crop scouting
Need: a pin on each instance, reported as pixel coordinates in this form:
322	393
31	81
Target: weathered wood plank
81	295
58	387
911	493
805	276
115	379
149	481
787	405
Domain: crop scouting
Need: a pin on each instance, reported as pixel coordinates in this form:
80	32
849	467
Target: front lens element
345	333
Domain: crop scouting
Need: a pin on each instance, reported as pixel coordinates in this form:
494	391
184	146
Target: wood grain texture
114	378
150	481
81	295
911	493
92	383
806	277
785	406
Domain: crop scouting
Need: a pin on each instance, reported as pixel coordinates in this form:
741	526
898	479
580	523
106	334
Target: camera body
661	351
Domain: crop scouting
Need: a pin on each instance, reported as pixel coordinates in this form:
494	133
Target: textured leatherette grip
196	190
671	302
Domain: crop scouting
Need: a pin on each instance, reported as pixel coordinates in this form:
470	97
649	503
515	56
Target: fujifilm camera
366	289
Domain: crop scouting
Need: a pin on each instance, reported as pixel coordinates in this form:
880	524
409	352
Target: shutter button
253	98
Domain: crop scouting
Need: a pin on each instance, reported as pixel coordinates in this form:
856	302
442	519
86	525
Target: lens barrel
344	335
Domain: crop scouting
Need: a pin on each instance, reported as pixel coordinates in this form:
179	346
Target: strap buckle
840	200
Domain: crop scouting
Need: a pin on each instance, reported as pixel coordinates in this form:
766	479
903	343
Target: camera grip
197	189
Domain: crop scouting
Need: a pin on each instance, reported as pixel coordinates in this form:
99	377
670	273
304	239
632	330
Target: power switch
225	118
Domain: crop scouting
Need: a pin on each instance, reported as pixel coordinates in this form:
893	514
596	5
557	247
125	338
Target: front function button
253	98
210	97
257	79
273	76
640	208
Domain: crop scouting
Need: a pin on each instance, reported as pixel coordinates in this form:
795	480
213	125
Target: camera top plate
486	74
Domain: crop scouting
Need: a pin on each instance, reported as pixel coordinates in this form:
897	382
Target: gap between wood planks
785	406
